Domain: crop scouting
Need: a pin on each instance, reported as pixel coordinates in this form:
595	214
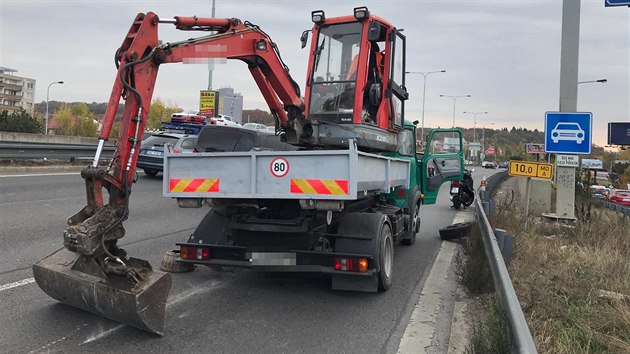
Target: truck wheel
455	231
151	173
367	234
414	221
385	257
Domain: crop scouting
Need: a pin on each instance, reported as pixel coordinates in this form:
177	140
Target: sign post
530	170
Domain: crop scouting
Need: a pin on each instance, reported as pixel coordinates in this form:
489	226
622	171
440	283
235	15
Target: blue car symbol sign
567	131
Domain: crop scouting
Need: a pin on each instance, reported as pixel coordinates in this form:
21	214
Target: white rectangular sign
568	160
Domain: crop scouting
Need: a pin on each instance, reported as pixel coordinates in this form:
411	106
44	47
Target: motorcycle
463	192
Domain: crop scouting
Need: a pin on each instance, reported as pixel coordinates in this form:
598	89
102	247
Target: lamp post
601	81
424	91
483	139
454	100
474	124
47	97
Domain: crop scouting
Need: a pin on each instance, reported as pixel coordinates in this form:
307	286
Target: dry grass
558	271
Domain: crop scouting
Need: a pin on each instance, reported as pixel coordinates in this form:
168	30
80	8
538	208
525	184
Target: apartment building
16	92
231	103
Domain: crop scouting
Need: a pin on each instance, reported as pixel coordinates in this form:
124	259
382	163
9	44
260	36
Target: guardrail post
506	244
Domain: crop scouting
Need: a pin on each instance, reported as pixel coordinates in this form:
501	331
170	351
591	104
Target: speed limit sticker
279	167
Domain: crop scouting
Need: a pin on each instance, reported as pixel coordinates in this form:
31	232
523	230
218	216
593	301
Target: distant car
599	192
567	131
224	120
503	165
488	164
187	118
151	156
254	126
619	196
217	138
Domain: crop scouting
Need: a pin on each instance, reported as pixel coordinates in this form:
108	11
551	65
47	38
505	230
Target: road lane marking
43	174
17	283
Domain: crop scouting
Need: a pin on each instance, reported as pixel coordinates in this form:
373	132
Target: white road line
17	283
43	174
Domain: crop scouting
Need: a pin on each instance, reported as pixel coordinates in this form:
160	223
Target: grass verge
572	280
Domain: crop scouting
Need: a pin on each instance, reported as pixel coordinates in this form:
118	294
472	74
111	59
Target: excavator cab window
334	72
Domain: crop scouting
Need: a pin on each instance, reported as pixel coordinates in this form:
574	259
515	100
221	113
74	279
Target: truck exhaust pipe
78	280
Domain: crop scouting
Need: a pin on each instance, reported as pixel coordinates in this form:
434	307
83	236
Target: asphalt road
208	311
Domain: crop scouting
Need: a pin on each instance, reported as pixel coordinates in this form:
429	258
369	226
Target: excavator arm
91	272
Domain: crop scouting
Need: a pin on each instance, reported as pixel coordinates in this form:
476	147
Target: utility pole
210	63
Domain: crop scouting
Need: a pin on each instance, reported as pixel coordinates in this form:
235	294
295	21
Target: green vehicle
337	212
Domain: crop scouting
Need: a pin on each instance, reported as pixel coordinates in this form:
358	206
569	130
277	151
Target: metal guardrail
500	277
614	207
39	150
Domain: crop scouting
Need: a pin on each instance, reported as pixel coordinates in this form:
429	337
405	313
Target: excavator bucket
78	281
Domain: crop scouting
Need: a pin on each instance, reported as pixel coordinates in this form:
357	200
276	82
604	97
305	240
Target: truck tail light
358	265
194	253
455	182
401	192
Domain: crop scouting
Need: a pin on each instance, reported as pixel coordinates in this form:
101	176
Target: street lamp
474	122
424	91
454	100
601	81
47	97
475	126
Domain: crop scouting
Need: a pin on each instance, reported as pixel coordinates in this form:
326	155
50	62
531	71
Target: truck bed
308	174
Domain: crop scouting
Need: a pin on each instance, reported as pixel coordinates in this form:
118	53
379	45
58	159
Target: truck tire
455	231
385	257
371	235
150	173
414	220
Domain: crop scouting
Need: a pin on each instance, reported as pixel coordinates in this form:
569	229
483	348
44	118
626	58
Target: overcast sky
504	53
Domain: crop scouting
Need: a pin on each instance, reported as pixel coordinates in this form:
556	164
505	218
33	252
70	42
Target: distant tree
160	112
76	120
20	122
258	116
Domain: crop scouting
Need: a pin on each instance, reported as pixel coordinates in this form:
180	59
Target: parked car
254	126
151	156
217	138
619	196
599	192
503	164
224	120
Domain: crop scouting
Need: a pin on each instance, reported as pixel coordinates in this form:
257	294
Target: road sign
490	150
568	132
530	169
208	103
617	3
568	160
619	133
532	148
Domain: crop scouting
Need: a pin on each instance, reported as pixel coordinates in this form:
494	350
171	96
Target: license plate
454	190
154	152
273	259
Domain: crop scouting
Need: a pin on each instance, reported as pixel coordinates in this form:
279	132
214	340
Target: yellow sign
531	169
207	103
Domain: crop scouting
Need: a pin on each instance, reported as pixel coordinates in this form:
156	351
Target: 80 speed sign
279	167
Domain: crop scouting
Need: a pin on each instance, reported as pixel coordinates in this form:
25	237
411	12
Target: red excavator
354	91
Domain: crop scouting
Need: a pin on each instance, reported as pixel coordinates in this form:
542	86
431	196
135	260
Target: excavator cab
357	76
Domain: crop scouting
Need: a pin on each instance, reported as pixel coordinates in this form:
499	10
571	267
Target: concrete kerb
420	334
